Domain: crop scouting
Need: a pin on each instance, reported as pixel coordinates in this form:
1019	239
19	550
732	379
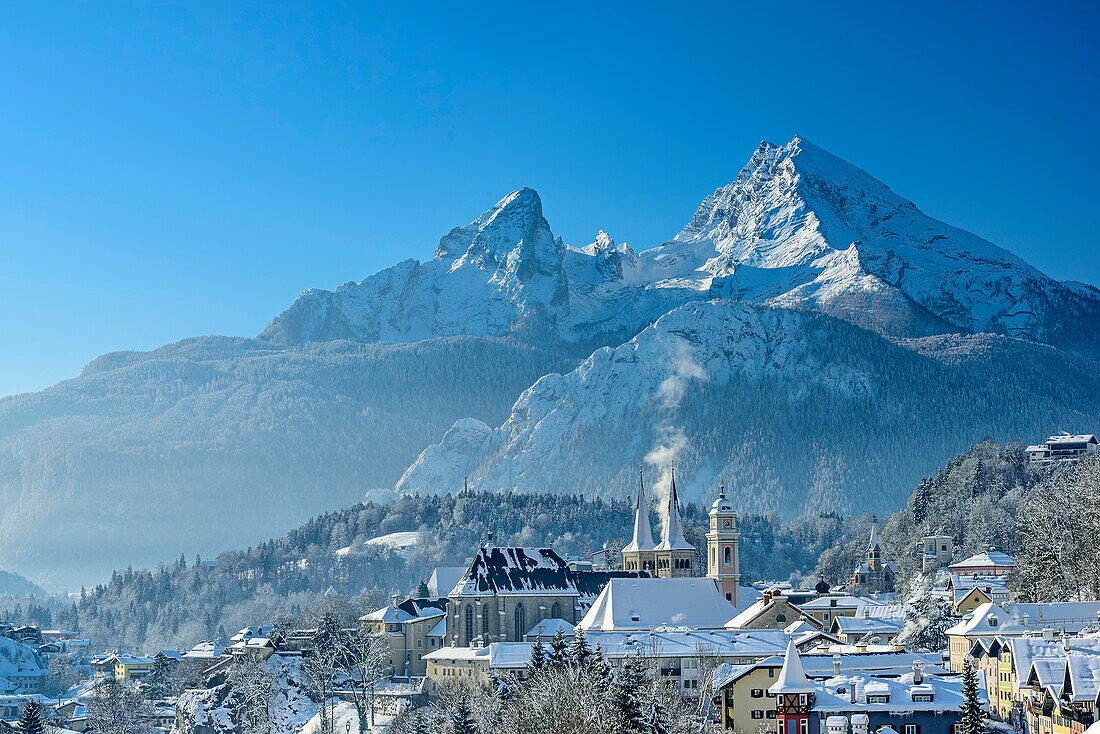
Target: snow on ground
344	713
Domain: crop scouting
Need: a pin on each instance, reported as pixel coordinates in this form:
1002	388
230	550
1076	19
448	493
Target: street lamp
347	726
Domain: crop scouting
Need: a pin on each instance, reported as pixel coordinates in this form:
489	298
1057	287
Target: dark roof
532	570
424	607
591	583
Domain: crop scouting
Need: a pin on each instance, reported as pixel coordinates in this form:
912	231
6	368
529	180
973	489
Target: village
758	657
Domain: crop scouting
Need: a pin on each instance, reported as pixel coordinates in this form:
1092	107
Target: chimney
853	683
1026	618
395	598
836	664
918	671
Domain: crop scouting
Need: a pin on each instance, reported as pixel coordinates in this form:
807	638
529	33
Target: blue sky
170	171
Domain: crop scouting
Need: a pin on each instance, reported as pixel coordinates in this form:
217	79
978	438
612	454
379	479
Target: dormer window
878	698
992	621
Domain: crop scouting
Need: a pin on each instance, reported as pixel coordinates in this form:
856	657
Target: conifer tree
538	656
628	696
159	682
558	648
580	651
972	722
462	720
32	720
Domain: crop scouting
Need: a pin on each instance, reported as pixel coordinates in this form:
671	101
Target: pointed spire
874	537
674	527
792	678
643	532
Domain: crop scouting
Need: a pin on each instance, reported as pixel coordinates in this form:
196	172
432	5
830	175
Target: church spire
674	527
643	533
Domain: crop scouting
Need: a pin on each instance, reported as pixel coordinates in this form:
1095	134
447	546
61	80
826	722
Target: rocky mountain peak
515	218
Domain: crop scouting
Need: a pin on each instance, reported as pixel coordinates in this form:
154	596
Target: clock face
727	523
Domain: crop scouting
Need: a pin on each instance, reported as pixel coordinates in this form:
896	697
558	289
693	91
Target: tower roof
792	678
874	537
643	533
674	527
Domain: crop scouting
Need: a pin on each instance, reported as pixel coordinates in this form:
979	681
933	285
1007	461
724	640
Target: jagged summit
515	218
798	227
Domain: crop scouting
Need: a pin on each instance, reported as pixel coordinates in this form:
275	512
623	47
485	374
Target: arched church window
469	624
729	556
521	623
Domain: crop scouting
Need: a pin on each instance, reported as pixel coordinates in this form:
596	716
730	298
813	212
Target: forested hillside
184	602
217	442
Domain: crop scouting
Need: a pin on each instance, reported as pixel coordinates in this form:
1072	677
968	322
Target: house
408	626
249	632
260	648
773	611
456	664
634	604
743	699
1063	692
873	576
854	629
131	667
828	607
507	591
991	562
966	600
909	704
936	552
1063	447
991	620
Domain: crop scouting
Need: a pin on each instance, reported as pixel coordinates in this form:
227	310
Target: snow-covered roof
642	603
842	601
440	629
510	655
845	625
764	605
988	620
443	579
409	610
834	694
550	627
516	571
1066	438
1082	680
740	646
985	559
792	679
205	650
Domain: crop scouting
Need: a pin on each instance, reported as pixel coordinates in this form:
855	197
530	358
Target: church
674	557
873	576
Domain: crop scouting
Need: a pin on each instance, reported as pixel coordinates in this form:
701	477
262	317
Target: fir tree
462	720
558	648
32	721
972	722
580	651
538	656
422	591
628	696
159	682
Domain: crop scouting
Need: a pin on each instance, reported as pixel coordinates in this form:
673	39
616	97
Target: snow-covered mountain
798	227
791	410
880	342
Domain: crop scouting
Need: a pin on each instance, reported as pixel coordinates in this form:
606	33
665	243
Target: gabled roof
994	558
516	571
792	679
845	625
1082	676
988	620
764	606
1066	438
644	603
444	578
549	627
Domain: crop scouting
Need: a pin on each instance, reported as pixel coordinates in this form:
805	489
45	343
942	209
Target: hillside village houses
783	661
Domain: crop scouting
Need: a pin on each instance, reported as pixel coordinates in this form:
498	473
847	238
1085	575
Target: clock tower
722	561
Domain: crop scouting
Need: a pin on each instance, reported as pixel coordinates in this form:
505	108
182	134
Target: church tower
723	564
640	553
675	556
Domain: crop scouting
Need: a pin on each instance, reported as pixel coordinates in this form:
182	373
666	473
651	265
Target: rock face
791	411
879	342
798	227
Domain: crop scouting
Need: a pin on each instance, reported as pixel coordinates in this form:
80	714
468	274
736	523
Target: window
757	693
910	729
803	726
757	713
771	714
729	597
469	624
485	624
801	699
782	727
521	623
781	618
729	556
420	643
555	611
992	621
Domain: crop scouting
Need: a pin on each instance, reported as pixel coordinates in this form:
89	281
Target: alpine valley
810	339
